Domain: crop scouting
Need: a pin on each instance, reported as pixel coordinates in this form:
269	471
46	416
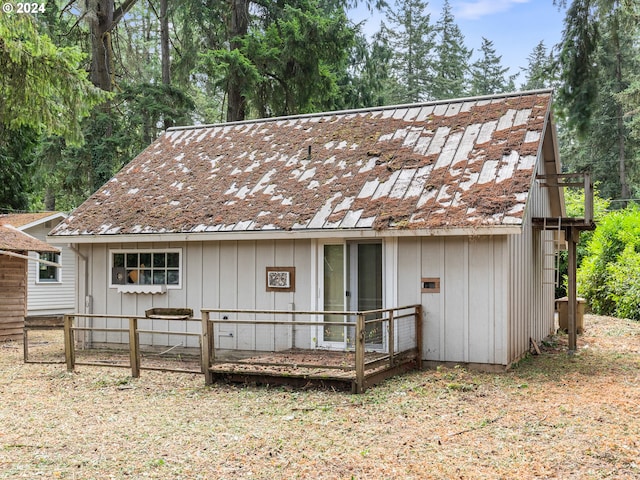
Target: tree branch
120	12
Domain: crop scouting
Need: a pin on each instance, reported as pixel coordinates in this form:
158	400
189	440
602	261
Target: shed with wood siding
14	248
55	294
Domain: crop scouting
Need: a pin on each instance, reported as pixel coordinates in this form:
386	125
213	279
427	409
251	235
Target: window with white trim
146	267
49	273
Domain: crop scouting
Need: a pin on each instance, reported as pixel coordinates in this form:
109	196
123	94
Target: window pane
118	259
48	272
145	260
145	277
173	277
132	259
159	277
132	276
173	259
334	291
159	260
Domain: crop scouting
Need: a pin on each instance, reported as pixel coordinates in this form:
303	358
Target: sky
514	26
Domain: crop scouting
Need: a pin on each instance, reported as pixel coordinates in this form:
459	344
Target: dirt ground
551	416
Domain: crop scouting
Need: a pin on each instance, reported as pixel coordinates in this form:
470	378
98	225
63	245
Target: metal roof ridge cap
363	110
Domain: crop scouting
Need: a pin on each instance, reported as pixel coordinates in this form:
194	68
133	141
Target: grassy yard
552	416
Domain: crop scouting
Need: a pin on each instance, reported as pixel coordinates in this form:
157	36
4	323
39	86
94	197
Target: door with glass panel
352	281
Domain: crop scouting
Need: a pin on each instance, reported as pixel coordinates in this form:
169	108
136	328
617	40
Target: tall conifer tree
411	38
487	73
452	57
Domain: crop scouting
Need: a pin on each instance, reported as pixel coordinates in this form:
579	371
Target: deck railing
372	341
377	339
135	364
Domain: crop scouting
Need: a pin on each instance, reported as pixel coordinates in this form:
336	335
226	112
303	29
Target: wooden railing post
69	352
207	347
360	347
418	314
134	348
391	339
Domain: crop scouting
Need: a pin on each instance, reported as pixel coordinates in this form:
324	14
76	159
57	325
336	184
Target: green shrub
609	276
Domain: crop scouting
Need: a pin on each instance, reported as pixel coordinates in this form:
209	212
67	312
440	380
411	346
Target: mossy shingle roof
460	163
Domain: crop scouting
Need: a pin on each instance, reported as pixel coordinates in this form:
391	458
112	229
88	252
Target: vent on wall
430	285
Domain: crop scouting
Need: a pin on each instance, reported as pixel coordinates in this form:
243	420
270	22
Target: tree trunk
103	18
164	50
238	27
50	199
101	22
622	169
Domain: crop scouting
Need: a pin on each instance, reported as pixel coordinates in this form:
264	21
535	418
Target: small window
49	273
145	268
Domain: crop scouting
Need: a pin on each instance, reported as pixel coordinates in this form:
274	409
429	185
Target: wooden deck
312	368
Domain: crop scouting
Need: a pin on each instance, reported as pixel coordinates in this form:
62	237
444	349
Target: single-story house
51	290
428	204
14	248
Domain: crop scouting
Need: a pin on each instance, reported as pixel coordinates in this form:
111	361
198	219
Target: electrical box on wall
430	285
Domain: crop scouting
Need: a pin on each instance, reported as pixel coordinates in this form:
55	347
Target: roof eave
40	221
473	231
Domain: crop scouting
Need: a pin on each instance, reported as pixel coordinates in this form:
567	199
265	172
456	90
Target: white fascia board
288	235
40	221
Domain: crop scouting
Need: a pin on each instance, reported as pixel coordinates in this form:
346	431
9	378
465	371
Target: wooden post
418	315
206	350
134	347
571	287
25	344
588	199
391	339
69	353
360	345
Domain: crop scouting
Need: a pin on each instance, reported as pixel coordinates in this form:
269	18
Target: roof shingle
460	163
13	240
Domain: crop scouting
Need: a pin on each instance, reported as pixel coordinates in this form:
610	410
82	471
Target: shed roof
13	240
450	164
25	220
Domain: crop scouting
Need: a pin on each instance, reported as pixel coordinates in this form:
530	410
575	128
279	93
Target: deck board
308	368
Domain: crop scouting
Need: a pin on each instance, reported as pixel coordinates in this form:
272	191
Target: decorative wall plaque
281	279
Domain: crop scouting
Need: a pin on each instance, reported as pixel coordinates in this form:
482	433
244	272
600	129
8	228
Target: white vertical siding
229	274
466	321
492	297
45	298
531	293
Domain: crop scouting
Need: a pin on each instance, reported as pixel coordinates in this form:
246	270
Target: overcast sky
514	26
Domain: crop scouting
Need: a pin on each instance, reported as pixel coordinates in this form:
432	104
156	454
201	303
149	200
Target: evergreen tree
539	72
367	82
16	167
289	62
42	87
43	90
411	38
604	36
487	74
576	64
451	64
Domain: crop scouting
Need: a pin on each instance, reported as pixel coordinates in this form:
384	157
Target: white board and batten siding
465	321
531	278
229	274
56	297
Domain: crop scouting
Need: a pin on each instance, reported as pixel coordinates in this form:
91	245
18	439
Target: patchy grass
552	416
